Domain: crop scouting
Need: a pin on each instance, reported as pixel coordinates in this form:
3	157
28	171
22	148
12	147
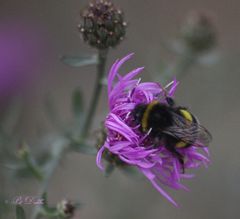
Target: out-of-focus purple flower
21	54
125	140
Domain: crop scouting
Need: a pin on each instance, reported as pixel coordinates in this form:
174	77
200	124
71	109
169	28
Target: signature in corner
25	200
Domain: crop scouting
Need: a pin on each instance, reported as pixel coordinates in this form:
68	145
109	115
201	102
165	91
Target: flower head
198	32
126	141
103	25
66	208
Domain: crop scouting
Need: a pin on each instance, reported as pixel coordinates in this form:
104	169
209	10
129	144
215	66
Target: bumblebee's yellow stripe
146	115
189	118
186	115
181	144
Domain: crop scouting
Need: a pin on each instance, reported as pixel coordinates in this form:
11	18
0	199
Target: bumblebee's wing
191	133
204	136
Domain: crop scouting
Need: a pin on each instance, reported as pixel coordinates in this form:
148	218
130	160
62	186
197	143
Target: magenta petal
119	146
151	87
111	76
115	68
99	158
135	147
132	74
173	88
138	163
205	149
187	176
116	124
164	193
151	177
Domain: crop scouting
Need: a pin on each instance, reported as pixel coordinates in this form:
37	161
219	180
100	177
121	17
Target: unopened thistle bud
66	209
198	33
103	25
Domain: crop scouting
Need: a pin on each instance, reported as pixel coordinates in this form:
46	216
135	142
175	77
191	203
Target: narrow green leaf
83	148
20	214
79	61
87	149
23	172
77	103
34	168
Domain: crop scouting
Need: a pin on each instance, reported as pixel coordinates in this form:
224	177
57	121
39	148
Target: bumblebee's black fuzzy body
159	117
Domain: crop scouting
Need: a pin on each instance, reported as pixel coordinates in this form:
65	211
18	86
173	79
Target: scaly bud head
66	208
103	25
198	32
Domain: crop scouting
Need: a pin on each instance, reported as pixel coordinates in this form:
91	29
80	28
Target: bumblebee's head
138	112
170	101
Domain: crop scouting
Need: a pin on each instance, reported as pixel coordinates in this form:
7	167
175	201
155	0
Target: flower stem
102	57
60	146
184	64
33	168
58	149
180	69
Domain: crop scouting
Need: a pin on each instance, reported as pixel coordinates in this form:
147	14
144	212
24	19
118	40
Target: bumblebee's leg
170	145
157	141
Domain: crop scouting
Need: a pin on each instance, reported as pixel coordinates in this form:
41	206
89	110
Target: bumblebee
170	125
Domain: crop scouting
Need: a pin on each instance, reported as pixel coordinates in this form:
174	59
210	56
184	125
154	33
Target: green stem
184	64
102	56
33	167
60	146
180	69
58	150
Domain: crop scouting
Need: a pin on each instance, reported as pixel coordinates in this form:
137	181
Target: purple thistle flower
134	147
